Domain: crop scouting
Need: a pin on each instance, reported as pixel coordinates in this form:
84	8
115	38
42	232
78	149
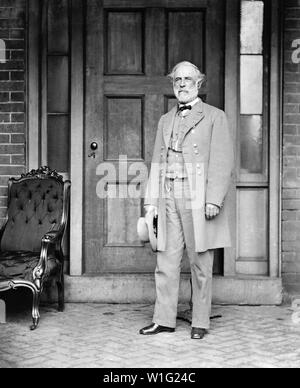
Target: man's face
185	85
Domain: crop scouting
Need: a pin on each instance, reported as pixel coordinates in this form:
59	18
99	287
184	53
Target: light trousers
180	235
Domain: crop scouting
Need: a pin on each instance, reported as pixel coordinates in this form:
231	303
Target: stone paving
106	336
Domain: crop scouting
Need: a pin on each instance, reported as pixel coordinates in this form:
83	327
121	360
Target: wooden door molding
231	109
77	138
276	139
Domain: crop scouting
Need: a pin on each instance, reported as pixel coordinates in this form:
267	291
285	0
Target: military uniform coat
208	156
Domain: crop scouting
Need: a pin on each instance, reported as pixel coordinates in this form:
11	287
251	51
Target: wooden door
130	47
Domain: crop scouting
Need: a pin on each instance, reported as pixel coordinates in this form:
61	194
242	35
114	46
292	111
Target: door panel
124	42
124	127
185	30
130	48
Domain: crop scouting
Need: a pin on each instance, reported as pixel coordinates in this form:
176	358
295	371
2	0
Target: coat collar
191	121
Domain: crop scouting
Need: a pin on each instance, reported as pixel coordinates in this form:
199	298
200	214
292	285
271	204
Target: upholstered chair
31	253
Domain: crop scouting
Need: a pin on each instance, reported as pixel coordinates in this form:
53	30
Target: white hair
199	76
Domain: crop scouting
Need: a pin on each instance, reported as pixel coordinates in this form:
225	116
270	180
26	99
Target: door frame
275	109
33	97
231	107
275	117
77	138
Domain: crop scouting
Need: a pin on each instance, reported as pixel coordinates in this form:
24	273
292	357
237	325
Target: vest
175	161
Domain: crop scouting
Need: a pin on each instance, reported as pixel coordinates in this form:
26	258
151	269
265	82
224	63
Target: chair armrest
51	237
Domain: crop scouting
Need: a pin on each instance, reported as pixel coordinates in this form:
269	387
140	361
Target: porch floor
102	335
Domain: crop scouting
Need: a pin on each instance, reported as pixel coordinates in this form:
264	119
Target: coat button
195	145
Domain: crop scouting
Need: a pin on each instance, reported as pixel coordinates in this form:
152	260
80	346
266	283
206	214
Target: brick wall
12	94
291	149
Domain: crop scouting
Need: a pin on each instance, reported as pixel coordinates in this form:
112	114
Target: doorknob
93	147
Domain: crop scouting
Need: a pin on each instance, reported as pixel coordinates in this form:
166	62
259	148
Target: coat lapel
194	118
168	126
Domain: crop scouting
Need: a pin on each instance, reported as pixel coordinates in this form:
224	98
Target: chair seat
20	264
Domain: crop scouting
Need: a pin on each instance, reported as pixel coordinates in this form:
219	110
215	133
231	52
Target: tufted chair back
35	207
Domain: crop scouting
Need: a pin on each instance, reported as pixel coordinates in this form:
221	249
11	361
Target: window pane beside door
252	27
251	84
58	86
253	232
251	144
58	137
58	25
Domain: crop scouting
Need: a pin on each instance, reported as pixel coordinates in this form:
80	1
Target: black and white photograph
149	187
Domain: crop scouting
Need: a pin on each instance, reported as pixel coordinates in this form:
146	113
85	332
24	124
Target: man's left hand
211	211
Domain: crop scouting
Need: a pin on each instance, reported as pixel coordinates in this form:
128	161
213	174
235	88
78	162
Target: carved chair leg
35	310
61	293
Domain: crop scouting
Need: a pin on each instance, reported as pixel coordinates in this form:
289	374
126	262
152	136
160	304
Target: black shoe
155	329
198	333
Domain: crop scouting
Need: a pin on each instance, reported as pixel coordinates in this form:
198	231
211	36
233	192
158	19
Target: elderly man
189	179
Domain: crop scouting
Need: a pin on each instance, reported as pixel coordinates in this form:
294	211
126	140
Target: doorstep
140	288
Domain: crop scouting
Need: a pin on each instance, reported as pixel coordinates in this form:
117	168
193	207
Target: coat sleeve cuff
215	201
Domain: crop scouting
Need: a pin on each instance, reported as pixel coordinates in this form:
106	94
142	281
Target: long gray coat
208	156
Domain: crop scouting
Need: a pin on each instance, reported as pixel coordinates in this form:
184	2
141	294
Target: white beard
184	97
